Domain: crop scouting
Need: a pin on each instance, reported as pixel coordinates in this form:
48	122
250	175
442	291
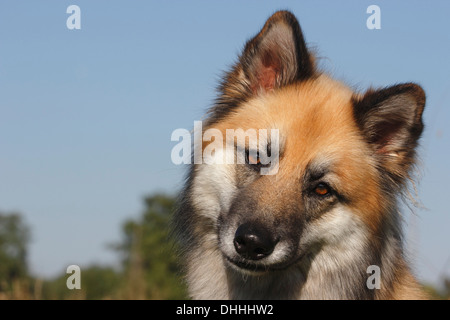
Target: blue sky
86	115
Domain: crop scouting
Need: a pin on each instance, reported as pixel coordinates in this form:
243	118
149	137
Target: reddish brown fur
318	115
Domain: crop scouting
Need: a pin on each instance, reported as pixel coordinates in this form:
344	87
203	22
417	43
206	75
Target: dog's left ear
391	121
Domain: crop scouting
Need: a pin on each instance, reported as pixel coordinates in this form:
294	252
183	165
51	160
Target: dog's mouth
250	267
243	265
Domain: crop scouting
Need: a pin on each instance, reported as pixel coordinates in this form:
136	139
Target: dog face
342	157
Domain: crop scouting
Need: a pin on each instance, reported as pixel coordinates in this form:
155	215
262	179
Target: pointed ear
275	57
391	121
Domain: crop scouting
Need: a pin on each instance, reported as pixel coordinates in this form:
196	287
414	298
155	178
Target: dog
314	227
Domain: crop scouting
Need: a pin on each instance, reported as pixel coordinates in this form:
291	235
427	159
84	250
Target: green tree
149	267
14	238
148	253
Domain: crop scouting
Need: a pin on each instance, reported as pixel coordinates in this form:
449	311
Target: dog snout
253	241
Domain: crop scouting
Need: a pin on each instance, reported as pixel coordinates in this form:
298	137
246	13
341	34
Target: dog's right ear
275	57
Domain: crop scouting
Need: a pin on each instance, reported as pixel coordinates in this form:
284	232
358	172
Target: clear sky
86	115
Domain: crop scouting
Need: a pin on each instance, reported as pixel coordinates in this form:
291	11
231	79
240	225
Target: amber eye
322	189
254	160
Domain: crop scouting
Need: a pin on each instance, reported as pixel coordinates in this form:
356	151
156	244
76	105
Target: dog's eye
322	189
252	160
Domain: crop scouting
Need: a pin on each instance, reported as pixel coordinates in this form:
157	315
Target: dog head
341	156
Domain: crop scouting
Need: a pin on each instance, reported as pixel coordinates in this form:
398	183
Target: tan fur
405	288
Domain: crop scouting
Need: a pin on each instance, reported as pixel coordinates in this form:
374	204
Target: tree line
148	264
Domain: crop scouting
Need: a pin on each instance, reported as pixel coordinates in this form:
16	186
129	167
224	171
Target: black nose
253	242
